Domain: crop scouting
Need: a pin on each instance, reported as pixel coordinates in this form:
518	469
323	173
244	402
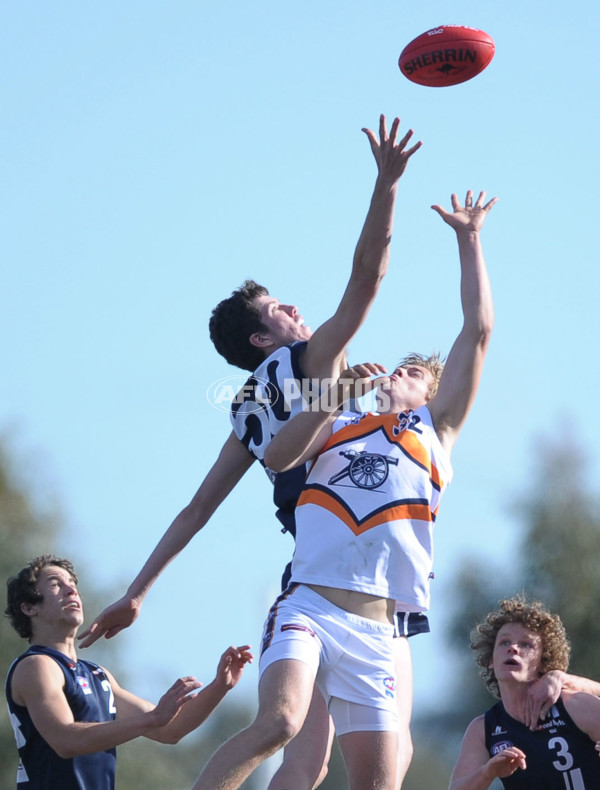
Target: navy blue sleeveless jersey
274	393
559	755
90	697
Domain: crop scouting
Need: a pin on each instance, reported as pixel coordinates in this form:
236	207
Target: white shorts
352	657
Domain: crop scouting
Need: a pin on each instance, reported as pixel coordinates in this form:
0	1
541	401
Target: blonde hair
433	363
556	649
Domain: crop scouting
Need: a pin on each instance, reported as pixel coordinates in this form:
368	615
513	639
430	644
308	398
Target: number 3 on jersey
573	779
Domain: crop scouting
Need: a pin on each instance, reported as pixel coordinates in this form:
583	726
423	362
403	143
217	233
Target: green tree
561	551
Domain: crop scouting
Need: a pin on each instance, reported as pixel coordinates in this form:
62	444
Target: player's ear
29	609
260	340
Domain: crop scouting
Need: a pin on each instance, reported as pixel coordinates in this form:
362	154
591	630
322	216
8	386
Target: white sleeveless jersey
365	518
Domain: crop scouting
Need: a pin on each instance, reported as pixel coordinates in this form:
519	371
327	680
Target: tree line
556	561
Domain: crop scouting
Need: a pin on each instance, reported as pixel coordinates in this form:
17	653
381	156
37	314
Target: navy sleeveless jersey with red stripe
559	755
90	697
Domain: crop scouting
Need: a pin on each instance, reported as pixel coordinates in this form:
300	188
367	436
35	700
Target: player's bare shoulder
33	671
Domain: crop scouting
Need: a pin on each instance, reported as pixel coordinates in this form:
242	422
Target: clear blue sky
155	154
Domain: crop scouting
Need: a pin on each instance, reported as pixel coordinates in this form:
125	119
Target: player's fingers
383	135
373	141
89	630
469	199
358	370
394	131
532	711
370	134
90	639
490	203
480	199
184	686
412	150
455	201
405	139
368	369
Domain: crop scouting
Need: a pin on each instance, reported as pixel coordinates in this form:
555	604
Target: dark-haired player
364	543
257	332
68	714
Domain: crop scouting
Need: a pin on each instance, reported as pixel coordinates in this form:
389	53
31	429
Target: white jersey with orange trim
364	520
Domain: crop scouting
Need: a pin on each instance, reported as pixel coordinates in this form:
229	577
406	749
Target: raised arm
474	769
233	462
305	435
38	684
327	345
462	372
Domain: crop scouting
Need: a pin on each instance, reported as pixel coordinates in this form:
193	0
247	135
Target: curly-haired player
514	646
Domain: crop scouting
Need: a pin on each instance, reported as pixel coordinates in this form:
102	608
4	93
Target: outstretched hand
172	700
357	380
468	218
231	665
110	621
390	156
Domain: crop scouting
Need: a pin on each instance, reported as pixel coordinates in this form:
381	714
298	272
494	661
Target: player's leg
364	685
285	692
371	759
305	758
404	699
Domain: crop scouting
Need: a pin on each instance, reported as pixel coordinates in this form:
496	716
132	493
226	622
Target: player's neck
64	643
514	699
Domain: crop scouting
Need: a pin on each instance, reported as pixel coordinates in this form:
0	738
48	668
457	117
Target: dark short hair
535	617
232	323
22	588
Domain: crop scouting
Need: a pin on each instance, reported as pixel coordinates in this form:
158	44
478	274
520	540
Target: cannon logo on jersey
361	487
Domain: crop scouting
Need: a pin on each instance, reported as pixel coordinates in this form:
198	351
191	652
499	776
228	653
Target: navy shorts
410	624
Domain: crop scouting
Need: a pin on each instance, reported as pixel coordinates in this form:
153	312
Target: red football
446	55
